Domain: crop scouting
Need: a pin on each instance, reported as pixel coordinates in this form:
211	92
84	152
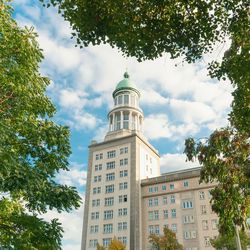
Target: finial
126	75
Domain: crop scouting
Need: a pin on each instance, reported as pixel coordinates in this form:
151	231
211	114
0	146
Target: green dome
126	83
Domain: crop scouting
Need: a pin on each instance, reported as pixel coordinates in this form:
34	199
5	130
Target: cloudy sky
178	101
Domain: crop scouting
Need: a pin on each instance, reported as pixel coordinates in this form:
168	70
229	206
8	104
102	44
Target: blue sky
178	102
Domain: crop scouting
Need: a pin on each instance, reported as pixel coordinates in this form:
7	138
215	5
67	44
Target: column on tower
121	114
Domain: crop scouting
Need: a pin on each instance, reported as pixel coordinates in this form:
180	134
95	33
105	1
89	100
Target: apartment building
126	196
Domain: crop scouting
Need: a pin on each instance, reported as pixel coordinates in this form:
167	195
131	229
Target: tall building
126	196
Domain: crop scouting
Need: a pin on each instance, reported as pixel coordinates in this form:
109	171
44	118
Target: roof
125	84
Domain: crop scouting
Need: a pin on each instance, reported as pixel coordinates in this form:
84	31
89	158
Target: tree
99	247
225	160
167	241
114	245
223	242
33	148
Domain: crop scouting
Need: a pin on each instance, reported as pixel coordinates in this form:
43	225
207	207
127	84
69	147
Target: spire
126	75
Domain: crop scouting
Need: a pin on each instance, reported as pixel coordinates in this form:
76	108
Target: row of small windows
112	153
154	189
106	241
155	201
111	176
126	99
109	201
110	188
111	164
109	214
154	215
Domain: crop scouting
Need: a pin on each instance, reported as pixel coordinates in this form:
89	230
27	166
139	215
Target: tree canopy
33	148
114	245
222	242
167	241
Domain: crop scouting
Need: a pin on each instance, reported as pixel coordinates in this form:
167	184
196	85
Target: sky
179	100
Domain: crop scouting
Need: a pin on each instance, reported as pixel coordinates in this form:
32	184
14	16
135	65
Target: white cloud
85	120
174	162
158	126
72	99
77	176
191	112
151	97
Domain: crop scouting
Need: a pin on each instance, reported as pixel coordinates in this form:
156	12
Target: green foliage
146	29
167	241
228	242
225	160
32	147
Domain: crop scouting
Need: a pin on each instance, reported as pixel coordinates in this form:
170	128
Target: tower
116	167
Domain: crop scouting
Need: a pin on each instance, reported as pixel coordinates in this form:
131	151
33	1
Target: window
123	198
123	185
109	201
174	227
95	216
108	214
110	188
165	214
110	176
165	200
126	99
187	204
98	167
190	234
123	240
123	173
163	187
97	178
171	186
153	189
187	219
207	241
94	229
153	202
214	224
110	165
106	242
153	215
126	121
96	203
154	229
151	230
120	99
93	243
185	184
124	150
202	195
111	154
122	211
172	199
96	190
122	226
203	209
205	225
107	228
124	162
99	156
173	213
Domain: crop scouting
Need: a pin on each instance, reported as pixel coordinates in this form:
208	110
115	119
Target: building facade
126	196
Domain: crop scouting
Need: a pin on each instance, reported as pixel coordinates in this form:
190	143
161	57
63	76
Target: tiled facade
127	197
